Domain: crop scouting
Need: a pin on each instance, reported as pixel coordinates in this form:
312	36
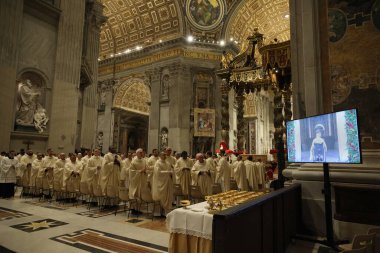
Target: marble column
63	123
225	122
240	121
153	133
11	12
93	21
305	60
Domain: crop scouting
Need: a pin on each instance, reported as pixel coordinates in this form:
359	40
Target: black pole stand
329	241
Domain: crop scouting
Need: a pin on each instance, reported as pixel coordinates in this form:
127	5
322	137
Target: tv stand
329	241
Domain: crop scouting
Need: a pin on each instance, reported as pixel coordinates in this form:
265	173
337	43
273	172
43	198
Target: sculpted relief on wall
30	112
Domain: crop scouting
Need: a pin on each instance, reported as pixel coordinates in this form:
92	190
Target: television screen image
327	138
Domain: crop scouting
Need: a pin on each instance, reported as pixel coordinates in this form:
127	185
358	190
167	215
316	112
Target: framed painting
204	122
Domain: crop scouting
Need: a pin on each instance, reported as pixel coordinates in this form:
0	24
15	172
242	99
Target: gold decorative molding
136	23
134	96
268	16
159	56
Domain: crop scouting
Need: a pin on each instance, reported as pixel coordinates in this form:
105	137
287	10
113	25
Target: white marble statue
27	103
99	140
165	86
40	119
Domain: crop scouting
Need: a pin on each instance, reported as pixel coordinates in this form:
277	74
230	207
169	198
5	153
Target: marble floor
28	225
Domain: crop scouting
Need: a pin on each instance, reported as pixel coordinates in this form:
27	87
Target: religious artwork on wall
205	14
337	24
102	101
354	62
164	138
165	83
204	122
99	140
29	110
202	97
376	14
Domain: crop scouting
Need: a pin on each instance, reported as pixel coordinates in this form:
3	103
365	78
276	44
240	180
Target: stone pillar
154	123
240	121
93	21
305	60
11	12
63	123
225	122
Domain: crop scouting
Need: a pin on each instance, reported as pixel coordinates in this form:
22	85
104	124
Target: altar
190	229
265	223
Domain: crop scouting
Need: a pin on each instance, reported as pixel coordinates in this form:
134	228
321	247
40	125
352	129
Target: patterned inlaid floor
7	214
100	242
38	225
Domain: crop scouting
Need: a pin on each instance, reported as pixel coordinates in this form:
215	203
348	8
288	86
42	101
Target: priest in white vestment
48	164
58	172
260	172
251	174
36	170
8	167
182	172
223	174
240	174
94	166
211	163
124	174
138	179
151	162
110	172
71	174
171	160
201	175
162	185
26	167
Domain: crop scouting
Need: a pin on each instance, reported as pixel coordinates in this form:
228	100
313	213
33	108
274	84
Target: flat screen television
327	138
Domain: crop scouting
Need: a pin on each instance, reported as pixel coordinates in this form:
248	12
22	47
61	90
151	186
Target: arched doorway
132	110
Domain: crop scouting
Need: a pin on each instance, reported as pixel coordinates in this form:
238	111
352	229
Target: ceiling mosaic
270	16
136	23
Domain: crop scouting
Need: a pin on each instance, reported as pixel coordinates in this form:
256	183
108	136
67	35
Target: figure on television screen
318	147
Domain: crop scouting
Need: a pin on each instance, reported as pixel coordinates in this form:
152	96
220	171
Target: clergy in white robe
223	174
150	164
251	173
138	179
94	166
162	184
48	164
124	174
110	172
211	163
240	174
35	173
8	166
58	172
84	186
182	172
26	167
201	175
86	157
260	172
171	160
71	174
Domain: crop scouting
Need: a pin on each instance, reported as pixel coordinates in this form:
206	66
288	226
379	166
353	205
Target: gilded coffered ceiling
270	16
133	23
